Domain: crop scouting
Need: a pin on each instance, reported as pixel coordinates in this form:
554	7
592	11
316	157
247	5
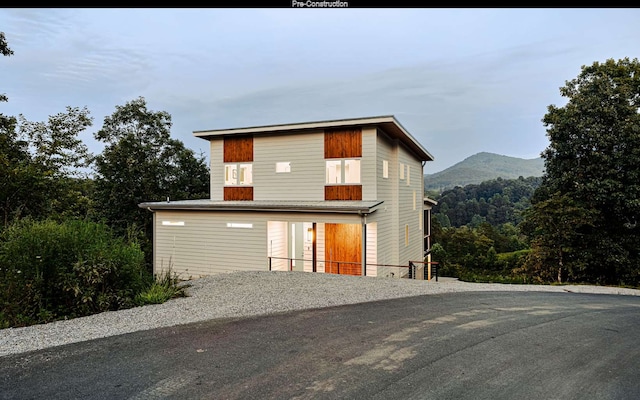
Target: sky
460	80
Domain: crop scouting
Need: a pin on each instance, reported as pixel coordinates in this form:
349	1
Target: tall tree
39	164
56	143
592	165
5	51
141	162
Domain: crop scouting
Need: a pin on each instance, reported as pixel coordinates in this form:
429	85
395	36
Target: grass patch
165	287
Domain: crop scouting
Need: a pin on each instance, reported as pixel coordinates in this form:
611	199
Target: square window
238	174
283	167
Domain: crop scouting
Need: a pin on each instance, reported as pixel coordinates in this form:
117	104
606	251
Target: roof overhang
338	207
387	123
430	201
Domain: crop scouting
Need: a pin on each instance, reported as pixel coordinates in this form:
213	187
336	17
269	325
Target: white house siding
407	214
305	152
386	217
216	147
277	244
368	167
204	245
372	244
199	243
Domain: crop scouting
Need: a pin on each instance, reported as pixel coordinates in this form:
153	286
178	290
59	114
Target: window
343	171
408	175
401	171
406	235
238	174
283	167
173	223
385	169
239	225
351	171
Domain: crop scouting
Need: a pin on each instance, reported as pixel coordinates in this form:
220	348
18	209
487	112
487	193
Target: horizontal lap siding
372	240
216	146
305	153
205	246
368	165
386	217
407	215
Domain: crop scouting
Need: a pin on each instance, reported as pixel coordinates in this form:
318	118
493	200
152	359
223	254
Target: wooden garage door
343	249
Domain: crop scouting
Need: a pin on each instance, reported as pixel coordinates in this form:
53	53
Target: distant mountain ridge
483	167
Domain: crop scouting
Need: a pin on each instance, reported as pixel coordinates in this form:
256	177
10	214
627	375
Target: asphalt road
475	345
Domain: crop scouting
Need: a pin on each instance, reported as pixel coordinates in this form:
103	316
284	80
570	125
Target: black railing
331	264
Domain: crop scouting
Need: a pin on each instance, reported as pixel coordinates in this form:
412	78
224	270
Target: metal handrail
411	266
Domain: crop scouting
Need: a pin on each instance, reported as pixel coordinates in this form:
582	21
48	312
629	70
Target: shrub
51	270
164	287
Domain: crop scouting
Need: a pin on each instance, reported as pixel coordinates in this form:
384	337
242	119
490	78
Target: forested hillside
483	167
497	202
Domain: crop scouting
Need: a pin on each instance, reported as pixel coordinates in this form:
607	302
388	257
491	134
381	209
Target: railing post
269	263
290	264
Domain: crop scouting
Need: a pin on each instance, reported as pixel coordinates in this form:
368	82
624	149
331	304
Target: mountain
483	167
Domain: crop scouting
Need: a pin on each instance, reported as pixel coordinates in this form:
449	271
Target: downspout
153	241
363	220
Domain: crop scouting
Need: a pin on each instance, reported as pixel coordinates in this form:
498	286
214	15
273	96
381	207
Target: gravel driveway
242	294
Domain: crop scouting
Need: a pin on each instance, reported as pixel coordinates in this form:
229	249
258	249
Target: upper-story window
238	168
238	174
346	171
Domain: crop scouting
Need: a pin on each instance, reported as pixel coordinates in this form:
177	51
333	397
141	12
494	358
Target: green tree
23	183
56	144
140	163
592	173
39	166
5	51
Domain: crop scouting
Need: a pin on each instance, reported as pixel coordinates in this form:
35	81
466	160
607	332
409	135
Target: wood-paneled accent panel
238	193
343	249
343	143
238	148
343	192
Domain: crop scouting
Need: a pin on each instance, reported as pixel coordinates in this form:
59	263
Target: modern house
340	196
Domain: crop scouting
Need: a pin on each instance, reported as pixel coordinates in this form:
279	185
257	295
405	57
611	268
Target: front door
343	249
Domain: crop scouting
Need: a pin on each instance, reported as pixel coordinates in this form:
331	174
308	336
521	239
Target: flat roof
388	123
341	207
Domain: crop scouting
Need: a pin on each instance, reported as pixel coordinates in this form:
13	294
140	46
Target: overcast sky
462	81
